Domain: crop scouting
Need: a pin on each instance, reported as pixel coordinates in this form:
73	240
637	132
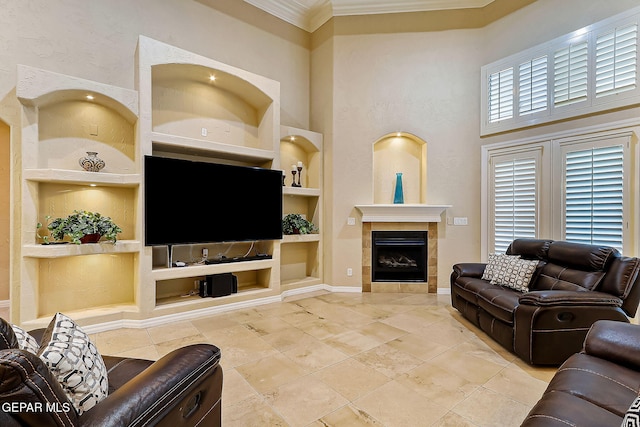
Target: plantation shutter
570	74
533	86
616	61
594	196
501	95
515	200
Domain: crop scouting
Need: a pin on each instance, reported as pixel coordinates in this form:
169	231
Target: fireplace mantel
401	212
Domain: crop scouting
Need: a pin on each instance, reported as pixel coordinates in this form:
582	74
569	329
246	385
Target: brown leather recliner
573	286
593	388
183	388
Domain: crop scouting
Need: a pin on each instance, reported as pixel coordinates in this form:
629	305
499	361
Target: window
501	95
533	86
575	188
514	196
594	193
570	74
591	70
616	58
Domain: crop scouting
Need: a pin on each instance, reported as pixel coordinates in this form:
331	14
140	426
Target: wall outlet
349	271
460	220
205	253
204	132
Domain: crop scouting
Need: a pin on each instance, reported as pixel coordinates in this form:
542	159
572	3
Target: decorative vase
90	238
398	196
91	162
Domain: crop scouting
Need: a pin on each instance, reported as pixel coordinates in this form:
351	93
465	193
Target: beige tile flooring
343	359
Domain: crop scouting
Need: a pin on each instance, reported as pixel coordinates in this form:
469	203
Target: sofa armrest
614	341
569	298
158	393
469	269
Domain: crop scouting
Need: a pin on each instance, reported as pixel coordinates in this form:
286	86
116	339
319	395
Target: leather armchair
183	388
595	387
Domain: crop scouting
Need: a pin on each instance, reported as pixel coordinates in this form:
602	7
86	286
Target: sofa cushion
25	379
75	362
515	274
499	302
8	338
530	248
580	256
468	288
558	277
611	386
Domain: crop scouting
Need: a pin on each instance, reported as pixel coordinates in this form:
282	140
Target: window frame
592	103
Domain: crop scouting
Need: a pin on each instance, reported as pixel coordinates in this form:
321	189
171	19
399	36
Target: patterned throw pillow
25	341
632	417
494	261
75	362
514	273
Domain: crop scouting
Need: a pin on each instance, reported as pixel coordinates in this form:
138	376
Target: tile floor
340	359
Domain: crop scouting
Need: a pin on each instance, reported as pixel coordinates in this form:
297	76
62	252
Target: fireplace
399	256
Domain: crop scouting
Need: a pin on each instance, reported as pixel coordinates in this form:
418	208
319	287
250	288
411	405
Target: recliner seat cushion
499	302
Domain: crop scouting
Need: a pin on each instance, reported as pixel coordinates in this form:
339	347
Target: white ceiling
311	14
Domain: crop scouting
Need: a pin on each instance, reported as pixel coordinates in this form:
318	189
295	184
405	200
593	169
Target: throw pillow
25	341
515	273
632	417
75	362
493	263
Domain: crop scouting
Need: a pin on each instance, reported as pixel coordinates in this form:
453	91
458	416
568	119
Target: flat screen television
190	202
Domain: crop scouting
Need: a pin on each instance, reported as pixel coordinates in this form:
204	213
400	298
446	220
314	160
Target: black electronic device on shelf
190	202
219	285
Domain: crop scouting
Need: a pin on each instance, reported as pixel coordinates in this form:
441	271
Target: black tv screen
198	202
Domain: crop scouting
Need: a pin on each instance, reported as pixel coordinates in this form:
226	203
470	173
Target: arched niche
404	153
5	210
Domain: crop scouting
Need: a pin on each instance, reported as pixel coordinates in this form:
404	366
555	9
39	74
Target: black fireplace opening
399	256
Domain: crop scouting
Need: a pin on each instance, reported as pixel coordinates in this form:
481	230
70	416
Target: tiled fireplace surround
430	286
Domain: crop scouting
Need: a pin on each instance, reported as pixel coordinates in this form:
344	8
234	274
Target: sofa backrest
582	267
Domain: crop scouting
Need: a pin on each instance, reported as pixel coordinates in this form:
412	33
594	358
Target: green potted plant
82	227
297	224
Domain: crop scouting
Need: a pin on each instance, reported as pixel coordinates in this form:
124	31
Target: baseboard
444	291
210	311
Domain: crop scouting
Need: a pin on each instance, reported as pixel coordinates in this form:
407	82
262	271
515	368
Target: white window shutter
616	60
594	181
500	95
532	84
515	200
571	74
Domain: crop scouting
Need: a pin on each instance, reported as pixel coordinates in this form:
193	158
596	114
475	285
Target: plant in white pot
82	227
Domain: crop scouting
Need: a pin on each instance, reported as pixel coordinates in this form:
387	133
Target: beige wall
355	84
426	83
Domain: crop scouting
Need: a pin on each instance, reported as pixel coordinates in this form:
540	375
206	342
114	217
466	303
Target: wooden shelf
82	177
195	301
301	282
70	249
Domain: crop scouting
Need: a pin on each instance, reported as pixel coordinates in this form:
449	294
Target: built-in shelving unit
301	255
64	117
184	106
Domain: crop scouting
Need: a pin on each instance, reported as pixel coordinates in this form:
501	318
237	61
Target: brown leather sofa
183	388
593	388
573	286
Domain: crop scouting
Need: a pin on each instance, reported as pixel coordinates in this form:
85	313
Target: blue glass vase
398	196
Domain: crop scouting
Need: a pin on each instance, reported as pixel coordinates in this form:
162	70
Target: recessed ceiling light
90	97
212	78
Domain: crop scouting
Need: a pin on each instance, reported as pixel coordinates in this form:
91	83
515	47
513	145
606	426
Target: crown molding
311	14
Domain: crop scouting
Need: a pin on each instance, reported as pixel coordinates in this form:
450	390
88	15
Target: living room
353	80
